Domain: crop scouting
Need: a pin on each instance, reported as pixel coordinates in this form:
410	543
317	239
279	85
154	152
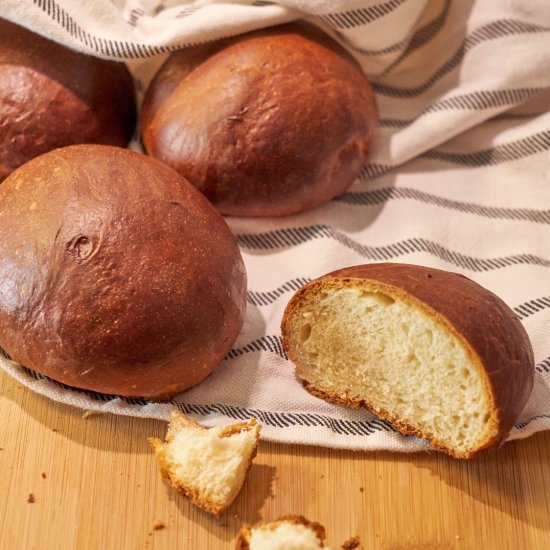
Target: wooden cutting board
95	485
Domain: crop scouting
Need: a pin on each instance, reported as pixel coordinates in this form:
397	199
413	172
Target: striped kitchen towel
459	179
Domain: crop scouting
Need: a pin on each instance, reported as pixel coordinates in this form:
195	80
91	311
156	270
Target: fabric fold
457	180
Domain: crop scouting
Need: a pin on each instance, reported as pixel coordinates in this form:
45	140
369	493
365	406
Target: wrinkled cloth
458	179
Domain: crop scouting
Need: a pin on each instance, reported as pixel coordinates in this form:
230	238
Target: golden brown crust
243	539
233	429
51	96
398	423
178	421
287	114
118	277
488	328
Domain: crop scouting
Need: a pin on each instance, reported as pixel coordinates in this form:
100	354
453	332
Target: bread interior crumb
212	461
365	345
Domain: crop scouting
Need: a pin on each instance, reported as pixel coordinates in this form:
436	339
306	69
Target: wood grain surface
95	485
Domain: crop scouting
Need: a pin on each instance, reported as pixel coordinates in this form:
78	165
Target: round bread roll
51	96
117	275
265	124
433	352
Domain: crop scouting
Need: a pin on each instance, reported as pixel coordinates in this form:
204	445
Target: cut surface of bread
422	348
208	466
291	532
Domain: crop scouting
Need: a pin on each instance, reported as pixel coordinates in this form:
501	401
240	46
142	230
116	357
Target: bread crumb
43	475
158	525
290	531
350	544
30	499
208	466
87	413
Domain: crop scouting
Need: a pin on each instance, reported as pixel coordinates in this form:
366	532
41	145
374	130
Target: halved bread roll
290	532
208	466
433	352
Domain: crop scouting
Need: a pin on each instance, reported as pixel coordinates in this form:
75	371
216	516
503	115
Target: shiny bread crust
52	96
264	124
117	275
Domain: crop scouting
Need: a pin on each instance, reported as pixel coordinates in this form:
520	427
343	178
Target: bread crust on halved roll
433	352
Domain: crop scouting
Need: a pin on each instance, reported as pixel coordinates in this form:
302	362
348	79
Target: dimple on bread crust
494	338
265	124
117	276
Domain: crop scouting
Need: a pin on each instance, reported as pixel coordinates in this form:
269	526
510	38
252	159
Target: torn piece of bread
433	352
291	532
208	466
